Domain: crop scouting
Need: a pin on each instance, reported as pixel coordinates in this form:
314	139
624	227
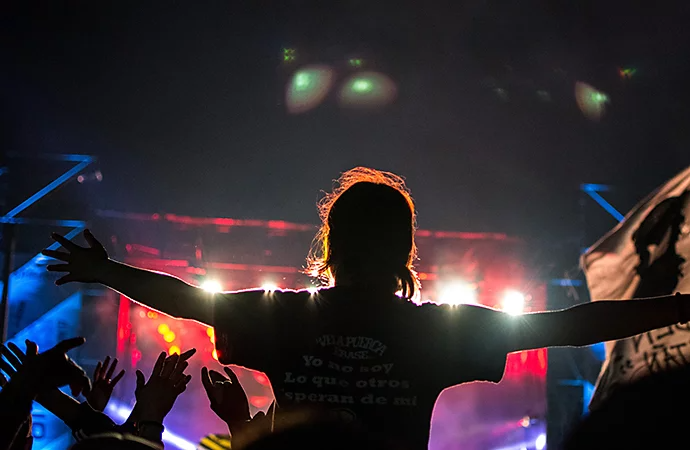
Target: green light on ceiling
362	86
599	97
288	54
627	72
356	62
302	81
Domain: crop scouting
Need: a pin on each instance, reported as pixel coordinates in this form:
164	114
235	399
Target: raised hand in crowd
103	383
167	381
48	370
82	264
132	422
161	292
229	402
30	375
227	397
156	397
81	418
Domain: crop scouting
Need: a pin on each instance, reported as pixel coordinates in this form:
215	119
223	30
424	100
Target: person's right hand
48	370
82	264
103	384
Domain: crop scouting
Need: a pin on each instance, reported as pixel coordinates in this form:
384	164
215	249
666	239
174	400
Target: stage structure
31	307
230	254
573	371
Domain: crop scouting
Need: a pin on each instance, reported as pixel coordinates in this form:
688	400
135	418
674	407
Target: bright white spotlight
211	286
458	293
269	287
541	442
312	290
513	302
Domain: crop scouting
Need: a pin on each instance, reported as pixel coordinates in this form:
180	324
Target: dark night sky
183	103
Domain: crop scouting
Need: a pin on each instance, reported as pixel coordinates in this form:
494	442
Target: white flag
646	255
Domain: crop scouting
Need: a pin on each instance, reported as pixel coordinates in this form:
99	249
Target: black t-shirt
381	362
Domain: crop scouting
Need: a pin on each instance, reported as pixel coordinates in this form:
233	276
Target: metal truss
11	219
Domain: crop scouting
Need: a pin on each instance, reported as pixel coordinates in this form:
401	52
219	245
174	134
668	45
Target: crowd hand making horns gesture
82	264
228	399
230	403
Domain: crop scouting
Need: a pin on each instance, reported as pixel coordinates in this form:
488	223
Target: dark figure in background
360	348
659	271
662	229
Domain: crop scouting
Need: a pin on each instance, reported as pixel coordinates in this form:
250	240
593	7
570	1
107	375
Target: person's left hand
227	396
103	384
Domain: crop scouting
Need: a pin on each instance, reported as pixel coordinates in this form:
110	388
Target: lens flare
307	88
269	287
367	89
211	286
513	302
458	293
591	102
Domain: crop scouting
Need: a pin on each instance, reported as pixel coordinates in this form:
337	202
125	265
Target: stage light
591	102
174	350
513	302
312	290
211	286
458	293
209	332
269	287
169	337
362	86
367	89
627	73
163	328
356	62
214	354
303	80
540	443
308	87
288	54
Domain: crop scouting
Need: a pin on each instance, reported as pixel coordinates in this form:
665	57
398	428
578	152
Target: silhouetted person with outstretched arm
360	348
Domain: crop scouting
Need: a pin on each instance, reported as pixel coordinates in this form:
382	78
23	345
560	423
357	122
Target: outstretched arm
595	322
159	291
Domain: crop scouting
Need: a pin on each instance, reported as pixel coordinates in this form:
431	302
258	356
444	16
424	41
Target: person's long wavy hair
368	224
